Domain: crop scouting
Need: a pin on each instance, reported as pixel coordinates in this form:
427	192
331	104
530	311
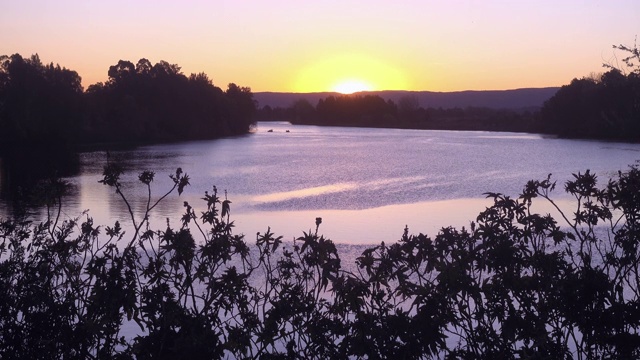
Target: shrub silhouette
515	284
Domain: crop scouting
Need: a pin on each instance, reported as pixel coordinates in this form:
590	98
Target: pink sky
308	46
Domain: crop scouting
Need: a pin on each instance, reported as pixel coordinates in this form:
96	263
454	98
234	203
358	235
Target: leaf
146	177
226	209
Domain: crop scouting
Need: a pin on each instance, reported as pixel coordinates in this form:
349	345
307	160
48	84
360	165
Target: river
366	184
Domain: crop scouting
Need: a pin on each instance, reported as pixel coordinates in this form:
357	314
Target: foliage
515	284
38	102
604	106
374	111
631	60
146	102
356	110
44	106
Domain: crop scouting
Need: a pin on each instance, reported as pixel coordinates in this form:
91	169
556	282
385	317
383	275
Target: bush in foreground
515	284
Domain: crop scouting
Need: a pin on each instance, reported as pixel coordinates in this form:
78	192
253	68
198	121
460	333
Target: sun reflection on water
302	193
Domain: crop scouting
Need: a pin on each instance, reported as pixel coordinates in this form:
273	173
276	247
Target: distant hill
496	99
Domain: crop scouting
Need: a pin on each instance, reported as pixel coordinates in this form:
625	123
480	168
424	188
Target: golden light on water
349	73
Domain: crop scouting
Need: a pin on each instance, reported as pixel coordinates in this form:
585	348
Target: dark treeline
44	106
602	106
374	111
45	115
605	106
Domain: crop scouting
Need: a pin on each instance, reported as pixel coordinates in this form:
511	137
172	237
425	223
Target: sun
351	86
348	73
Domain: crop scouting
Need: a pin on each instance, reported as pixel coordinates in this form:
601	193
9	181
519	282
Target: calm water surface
366	184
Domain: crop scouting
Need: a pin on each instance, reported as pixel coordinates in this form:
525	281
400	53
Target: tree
408	104
159	103
163	68
572	111
599	107
303	111
143	67
123	71
241	107
631	60
39	104
356	110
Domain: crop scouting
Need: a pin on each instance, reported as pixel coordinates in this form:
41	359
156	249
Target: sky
343	45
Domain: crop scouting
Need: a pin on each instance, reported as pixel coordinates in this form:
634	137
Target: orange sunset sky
309	46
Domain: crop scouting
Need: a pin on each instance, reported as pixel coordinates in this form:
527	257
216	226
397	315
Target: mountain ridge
523	98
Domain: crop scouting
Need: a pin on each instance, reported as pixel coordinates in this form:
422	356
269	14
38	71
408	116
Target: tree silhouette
45	104
599	107
605	107
39	104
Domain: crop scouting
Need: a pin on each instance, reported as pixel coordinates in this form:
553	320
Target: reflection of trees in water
20	172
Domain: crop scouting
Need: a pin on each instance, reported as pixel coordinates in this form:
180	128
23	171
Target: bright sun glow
351	86
349	73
